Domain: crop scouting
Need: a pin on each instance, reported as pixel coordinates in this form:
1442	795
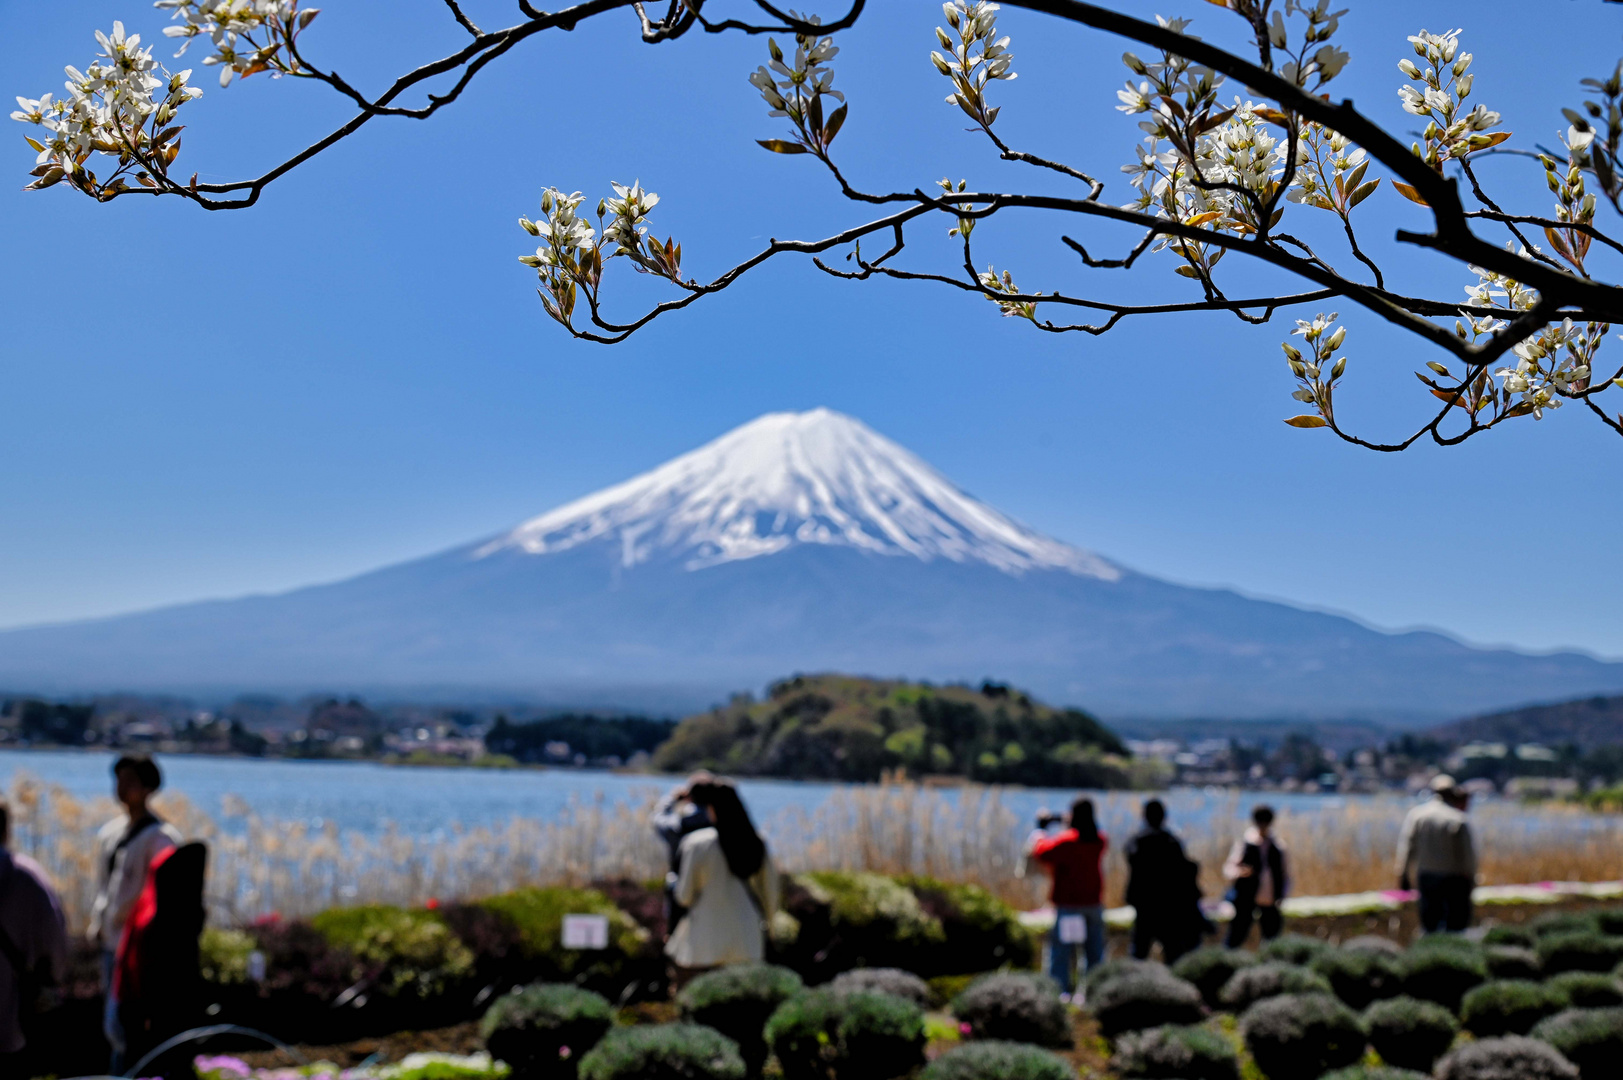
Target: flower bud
1462	88
940	63
1341	366
1408	67
1292	354
1336	339
1462	63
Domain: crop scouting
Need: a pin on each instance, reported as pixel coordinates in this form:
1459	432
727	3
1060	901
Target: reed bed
260	866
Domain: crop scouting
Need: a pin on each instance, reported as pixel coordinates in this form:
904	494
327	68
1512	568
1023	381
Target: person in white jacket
125	848
728	885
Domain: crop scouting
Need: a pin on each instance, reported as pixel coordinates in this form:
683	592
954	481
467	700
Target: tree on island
1220	172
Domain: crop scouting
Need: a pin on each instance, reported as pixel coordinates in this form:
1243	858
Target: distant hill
840	727
1588	723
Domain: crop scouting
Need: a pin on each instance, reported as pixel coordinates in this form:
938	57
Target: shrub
982	932
893	981
544	1029
1509	1007
1015	1007
1360	976
737	1001
993	1060
1250	985
1144	999
1115	969
536	918
1579	951
1410	1034
403	950
1592	1039
1443	973
1512	962
1210	968
1587	989
1519	936
1298	949
1374	1072
1301	1036
1373	943
223	955
1609	920
859	1035
1513	1057
663	1052
877	920
1563	922
1176	1053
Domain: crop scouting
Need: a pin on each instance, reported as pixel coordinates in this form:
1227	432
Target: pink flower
964	1029
222	1066
564	1053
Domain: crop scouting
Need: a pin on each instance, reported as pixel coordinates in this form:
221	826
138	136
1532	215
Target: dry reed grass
966	834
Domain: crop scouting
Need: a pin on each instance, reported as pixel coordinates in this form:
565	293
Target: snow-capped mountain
816	477
798	542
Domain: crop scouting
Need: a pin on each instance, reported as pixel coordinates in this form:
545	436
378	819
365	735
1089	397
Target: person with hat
1438	853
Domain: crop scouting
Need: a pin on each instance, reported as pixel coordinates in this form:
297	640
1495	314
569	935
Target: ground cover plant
1587	989
1298	949
1579	950
544	1029
1143	998
1211	968
1508	1007
893	981
855	1035
1021	1007
993	1060
1592	1039
1250	985
1443	969
1512	962
737	1001
663	1052
1360	976
1513	1057
1410	1033
1176	1053
1301	1036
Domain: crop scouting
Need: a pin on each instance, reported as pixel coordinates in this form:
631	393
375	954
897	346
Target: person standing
1257	868
33	949
1162	889
1438	853
1074	859
726	884
675	816
125	848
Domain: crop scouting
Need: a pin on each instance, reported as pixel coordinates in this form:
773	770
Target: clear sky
357	371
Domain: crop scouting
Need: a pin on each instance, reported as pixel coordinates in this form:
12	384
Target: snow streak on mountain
816	477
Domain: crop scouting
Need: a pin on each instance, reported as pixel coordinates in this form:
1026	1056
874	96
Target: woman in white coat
727	883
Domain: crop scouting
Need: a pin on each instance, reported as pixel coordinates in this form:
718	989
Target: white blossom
248	36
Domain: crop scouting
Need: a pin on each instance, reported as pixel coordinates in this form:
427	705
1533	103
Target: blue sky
357	371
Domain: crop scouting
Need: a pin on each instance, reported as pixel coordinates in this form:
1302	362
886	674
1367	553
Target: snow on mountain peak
816	477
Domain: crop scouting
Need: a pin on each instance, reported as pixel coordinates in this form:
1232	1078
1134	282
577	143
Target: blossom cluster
797	92
249	36
572	252
1330	175
1453	132
1316	373
121	105
975	59
1315	61
995	285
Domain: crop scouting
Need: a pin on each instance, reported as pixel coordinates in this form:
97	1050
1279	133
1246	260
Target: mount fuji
797	542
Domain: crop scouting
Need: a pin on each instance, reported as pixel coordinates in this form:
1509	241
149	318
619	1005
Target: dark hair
740	843
1262	816
5	822
1155	812
144	768
1082	819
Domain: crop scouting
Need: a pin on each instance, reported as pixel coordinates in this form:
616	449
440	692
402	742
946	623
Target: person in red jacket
1074	859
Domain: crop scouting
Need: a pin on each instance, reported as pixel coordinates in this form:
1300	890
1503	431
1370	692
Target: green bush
544	1029
1592	1039
1564	922
406	951
1514	1057
1512	962
893	981
1587	989
1211	968
1579	951
1250	985
223	955
1519	936
992	1060
536	917
1176	1053
1373	1072
1409	1033
737	1001
1298	949
1373	943
1017	1007
1301	1036
663	1052
877	920
1443	973
982	932
1509	1007
1609	920
1115	969
823	1034
1144	999
1360	976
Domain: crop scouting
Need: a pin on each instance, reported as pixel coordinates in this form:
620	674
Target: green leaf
1306	421
782	146
1362	193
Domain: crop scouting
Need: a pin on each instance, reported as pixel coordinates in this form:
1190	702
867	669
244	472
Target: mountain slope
799	542
1588	723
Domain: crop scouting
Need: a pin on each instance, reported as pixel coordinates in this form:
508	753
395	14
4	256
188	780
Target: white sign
586	932
1073	930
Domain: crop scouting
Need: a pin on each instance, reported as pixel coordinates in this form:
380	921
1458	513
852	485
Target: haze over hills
1587	723
797	542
